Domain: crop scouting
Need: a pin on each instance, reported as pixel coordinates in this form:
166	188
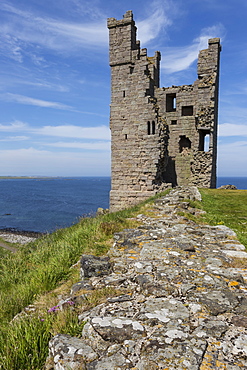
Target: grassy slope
40	267
228	207
37	269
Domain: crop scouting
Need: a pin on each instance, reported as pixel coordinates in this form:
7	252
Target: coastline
19	236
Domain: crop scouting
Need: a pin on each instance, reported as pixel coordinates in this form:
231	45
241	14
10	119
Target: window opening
187	110
171	102
184	144
149	128
206	143
173	122
153	127
204	140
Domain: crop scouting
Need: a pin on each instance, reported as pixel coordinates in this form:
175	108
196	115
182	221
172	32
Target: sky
55	77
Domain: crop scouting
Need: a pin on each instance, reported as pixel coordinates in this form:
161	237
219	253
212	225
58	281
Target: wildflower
53	309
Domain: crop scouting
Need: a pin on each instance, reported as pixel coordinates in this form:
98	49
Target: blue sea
46	204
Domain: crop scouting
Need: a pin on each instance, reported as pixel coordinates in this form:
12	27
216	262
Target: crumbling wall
139	135
158	134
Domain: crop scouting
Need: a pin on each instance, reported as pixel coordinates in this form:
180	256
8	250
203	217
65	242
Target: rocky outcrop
183	304
230	187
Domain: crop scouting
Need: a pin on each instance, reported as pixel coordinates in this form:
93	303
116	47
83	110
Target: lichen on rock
182	304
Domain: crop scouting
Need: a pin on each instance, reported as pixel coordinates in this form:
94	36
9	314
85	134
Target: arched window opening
149	128
184	144
153	127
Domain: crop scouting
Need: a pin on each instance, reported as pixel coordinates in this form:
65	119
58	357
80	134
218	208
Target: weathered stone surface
158	133
179	308
94	266
68	352
231	187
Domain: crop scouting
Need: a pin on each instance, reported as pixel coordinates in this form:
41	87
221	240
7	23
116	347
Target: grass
40	271
227	207
37	269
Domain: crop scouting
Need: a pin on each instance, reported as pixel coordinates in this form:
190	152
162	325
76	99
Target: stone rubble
183	304
17	238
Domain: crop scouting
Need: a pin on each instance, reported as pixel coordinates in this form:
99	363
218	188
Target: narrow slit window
206	143
153	127
149	128
124	94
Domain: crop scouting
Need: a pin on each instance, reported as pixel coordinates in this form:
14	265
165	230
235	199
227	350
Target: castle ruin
159	134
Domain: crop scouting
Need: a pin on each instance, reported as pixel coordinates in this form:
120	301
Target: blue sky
55	78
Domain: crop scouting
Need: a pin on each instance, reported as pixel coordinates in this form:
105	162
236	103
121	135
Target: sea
45	204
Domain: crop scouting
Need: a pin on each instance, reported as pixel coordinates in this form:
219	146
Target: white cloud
21	99
180	58
15	138
43	85
232	159
71	131
45	163
68	131
150	27
19	28
230	129
13	127
99	145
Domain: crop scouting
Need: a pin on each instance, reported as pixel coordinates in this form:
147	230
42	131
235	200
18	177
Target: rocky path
183	303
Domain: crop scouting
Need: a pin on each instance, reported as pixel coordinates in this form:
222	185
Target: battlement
160	136
127	19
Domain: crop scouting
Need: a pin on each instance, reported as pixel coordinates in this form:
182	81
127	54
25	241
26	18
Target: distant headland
30	177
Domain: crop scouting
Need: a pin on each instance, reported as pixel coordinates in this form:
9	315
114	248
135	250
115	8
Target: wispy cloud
44	85
66	131
21	99
180	58
13	126
20	28
235	161
15	138
71	131
150	27
230	129
31	161
98	145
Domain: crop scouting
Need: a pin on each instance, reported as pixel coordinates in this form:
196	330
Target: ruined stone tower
158	134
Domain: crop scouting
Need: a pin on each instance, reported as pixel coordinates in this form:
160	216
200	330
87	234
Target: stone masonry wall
181	301
139	136
158	134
